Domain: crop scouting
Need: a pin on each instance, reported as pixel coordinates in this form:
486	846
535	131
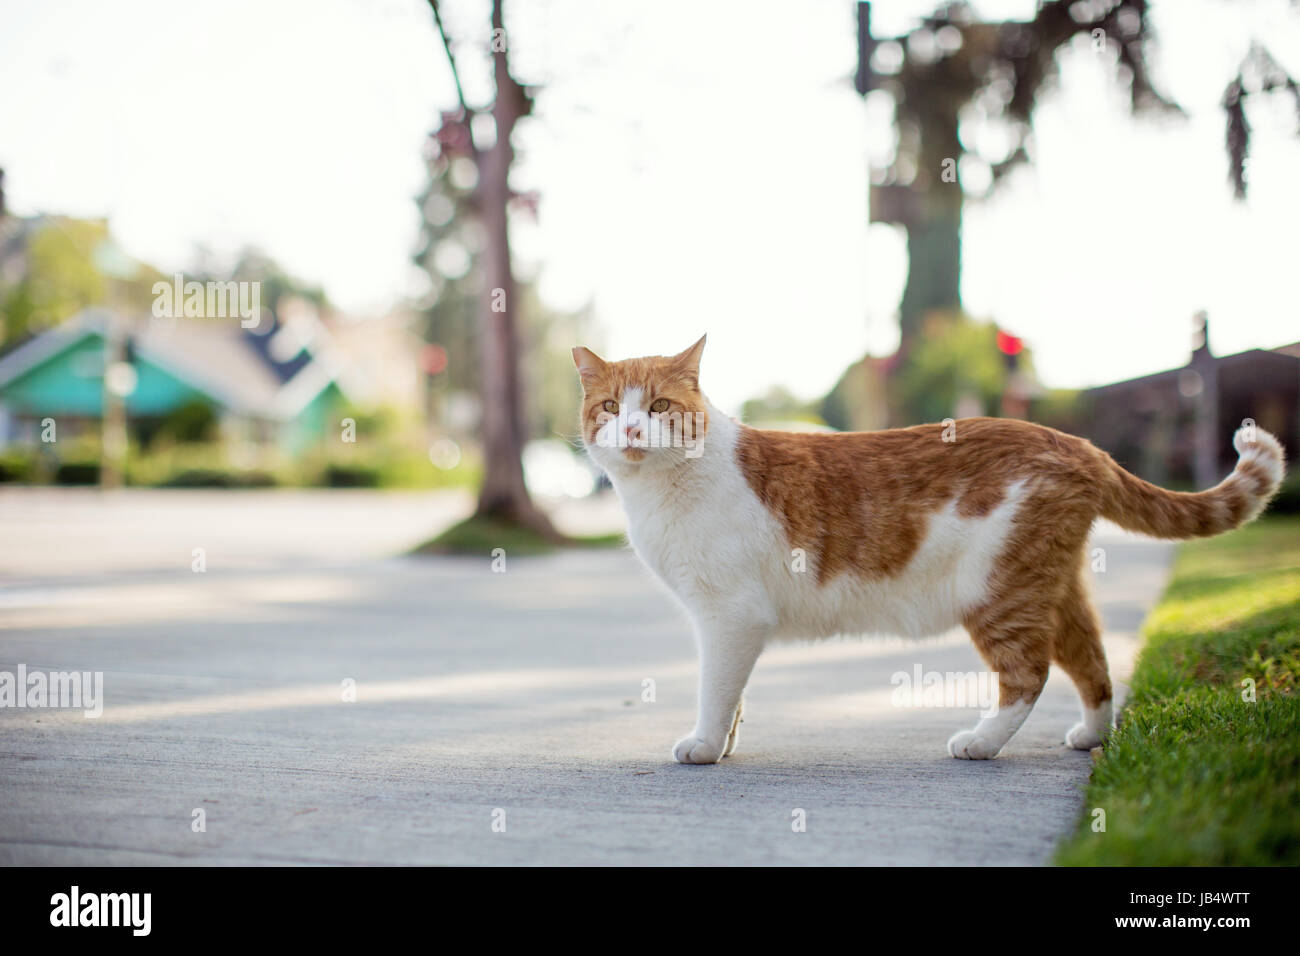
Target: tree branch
1258	74
451	60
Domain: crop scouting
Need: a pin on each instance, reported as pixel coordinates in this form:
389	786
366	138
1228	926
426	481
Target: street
499	717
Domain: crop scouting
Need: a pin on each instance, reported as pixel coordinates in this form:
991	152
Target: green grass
1196	775
481	536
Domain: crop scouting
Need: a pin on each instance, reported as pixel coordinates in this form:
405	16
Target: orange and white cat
911	531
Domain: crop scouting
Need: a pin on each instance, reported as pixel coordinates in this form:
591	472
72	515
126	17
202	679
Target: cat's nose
635	433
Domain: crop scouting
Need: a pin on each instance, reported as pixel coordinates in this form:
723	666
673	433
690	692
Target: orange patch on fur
859	503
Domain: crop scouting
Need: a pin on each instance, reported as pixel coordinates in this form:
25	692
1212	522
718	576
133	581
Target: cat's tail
1141	506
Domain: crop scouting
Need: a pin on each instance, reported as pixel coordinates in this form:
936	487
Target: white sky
703	167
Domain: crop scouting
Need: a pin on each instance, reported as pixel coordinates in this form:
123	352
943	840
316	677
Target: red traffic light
433	359
1009	344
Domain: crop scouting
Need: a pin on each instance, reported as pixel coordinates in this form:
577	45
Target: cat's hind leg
1077	649
1017	648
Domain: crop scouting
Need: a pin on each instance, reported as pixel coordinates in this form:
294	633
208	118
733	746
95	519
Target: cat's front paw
1082	737
693	749
968	745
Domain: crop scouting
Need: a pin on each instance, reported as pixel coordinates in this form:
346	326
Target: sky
703	167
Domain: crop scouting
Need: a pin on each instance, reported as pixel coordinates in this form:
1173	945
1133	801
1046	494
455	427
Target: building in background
1173	428
279	388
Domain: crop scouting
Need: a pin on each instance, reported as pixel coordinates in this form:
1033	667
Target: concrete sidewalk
478	691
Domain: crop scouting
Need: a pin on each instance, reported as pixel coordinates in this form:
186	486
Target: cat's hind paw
968	745
694	750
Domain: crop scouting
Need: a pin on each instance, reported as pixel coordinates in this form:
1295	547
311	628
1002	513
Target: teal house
279	386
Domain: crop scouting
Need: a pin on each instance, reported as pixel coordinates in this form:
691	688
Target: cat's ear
689	361
590	365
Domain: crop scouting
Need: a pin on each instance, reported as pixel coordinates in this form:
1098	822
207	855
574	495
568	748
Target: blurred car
552	469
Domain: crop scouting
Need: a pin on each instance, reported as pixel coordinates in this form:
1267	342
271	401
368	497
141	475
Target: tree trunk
504	495
933	268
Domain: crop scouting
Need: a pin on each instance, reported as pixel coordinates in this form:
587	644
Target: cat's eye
611	406
659	405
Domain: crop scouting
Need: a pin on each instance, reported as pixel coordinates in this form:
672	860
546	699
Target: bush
337	475
192	422
77	473
218	478
1287	501
16	466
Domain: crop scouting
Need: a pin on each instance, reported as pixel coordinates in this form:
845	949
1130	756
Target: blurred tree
503	496
254	265
779	406
950	71
449	254
954	369
554	393
56	278
52	267
954	69
1258	74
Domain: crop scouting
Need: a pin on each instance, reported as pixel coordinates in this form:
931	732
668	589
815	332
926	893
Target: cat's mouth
634	454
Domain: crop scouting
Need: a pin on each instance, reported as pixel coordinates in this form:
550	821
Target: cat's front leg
733	737
727	657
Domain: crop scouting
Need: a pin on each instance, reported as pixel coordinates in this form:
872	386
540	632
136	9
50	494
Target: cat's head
643	412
